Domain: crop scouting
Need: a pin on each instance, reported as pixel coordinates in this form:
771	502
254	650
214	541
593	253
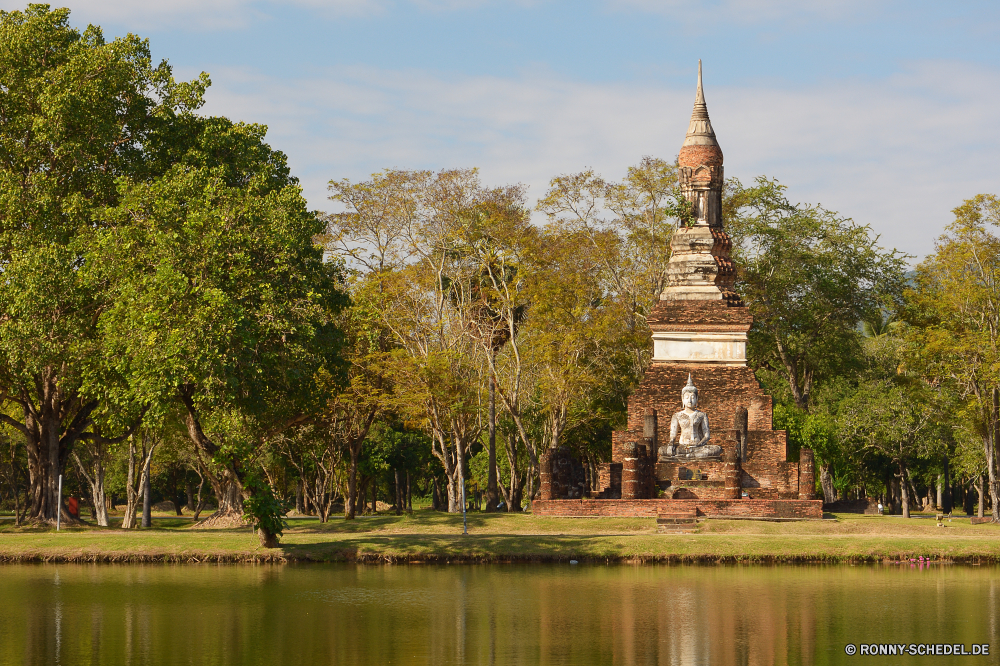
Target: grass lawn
429	536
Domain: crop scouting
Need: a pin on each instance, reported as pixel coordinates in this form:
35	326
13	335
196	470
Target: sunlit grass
428	535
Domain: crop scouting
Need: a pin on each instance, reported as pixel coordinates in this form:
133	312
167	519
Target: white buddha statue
689	433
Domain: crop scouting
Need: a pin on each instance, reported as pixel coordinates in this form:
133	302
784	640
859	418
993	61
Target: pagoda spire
700	268
700	132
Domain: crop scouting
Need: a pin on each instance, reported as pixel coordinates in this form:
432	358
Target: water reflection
69	614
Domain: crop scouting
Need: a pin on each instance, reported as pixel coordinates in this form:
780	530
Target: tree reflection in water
101	614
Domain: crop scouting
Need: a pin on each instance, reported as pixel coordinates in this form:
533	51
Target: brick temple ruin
699	329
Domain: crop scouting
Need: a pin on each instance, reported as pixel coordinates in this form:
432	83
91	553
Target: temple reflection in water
558	614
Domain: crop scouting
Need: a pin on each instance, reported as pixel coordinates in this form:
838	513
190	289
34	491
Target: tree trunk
44	464
131	493
307	506
492	493
399	492
54	420
409	493
826	482
946	507
316	497
351	505
15	490
223	477
267	540
199	502
323	500
179	499
914	497
904	489
454	498
97	494
147	496
990	445
980	509
892	502
136	492
512	492
189	491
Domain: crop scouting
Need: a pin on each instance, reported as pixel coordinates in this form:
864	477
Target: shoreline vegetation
436	538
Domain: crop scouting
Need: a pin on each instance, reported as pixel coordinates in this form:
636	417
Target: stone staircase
677	521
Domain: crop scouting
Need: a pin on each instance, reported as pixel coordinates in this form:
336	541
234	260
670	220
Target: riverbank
432	537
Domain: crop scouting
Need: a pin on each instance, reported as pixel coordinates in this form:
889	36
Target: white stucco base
722	348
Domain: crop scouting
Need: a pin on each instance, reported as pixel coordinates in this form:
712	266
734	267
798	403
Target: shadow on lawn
364	524
445	548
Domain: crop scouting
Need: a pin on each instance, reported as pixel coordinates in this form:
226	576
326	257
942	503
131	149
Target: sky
884	111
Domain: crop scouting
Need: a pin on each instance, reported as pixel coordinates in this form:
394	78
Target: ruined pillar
740	426
807	475
630	472
732	471
650	434
545	474
615	480
651	438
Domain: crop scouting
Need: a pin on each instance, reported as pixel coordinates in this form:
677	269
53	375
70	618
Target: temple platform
709	508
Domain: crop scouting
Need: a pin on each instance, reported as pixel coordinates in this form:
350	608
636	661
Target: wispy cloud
198	14
897	154
750	11
238	14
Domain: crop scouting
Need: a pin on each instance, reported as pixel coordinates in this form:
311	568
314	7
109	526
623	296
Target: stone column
732	471
630	471
807	475
651	438
545	474
649	433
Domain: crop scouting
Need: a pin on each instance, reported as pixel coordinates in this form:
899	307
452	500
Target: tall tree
78	113
810	277
222	303
953	312
627	226
352	406
497	237
439	368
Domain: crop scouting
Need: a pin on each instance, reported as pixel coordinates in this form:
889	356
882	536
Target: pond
501	614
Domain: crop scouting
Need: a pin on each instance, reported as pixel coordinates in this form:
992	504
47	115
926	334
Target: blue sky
885	111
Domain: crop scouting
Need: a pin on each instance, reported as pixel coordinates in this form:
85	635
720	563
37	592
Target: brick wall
722	390
695	156
765	475
650	508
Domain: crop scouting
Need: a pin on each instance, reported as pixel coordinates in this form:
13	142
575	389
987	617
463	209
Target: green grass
429	536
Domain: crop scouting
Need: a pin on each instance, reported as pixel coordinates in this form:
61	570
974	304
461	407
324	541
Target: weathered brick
651	508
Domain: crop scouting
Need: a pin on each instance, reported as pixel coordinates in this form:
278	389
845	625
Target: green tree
810	277
953	317
221	301
626	227
894	420
263	510
78	113
497	238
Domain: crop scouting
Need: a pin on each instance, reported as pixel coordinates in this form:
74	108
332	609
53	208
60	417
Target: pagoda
699	330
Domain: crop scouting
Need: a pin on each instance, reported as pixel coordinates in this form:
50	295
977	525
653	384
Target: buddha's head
689	394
